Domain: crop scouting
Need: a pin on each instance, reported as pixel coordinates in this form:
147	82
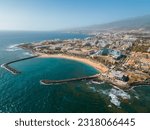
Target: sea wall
12	70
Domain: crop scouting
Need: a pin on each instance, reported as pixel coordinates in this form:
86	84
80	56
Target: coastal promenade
49	82
12	70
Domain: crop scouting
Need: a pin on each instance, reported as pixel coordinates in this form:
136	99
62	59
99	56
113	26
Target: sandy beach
100	67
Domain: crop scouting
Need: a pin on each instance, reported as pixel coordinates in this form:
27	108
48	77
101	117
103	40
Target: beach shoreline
101	68
98	66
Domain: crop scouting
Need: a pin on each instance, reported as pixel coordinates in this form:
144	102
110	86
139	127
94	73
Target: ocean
23	93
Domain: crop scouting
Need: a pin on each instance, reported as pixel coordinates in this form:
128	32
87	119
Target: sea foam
14	47
116	95
28	53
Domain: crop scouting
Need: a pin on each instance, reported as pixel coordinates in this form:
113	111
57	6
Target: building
114	53
120	75
103	43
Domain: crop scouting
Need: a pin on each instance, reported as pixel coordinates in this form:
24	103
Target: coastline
105	71
98	66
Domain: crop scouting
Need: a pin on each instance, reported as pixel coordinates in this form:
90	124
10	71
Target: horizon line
73	28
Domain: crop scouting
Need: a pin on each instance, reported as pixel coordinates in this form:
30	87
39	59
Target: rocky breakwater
12	70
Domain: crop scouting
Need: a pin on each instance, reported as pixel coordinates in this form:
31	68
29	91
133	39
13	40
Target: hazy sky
61	14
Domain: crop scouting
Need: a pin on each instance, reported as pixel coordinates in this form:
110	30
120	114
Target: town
123	58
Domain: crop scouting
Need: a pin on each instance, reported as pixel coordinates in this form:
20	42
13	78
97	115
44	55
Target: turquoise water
24	93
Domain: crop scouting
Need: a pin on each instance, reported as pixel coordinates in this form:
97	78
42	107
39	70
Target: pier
49	82
12	70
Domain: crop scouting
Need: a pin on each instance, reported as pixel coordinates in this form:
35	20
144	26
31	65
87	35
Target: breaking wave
116	95
93	89
14	47
96	82
28	54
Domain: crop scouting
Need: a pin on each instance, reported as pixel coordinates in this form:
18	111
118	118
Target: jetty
10	69
49	82
13	70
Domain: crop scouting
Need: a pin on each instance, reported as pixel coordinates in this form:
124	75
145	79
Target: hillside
142	22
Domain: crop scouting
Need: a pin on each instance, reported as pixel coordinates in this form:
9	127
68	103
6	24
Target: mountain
142	22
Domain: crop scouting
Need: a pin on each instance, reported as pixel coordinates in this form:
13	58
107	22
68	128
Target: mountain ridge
134	23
